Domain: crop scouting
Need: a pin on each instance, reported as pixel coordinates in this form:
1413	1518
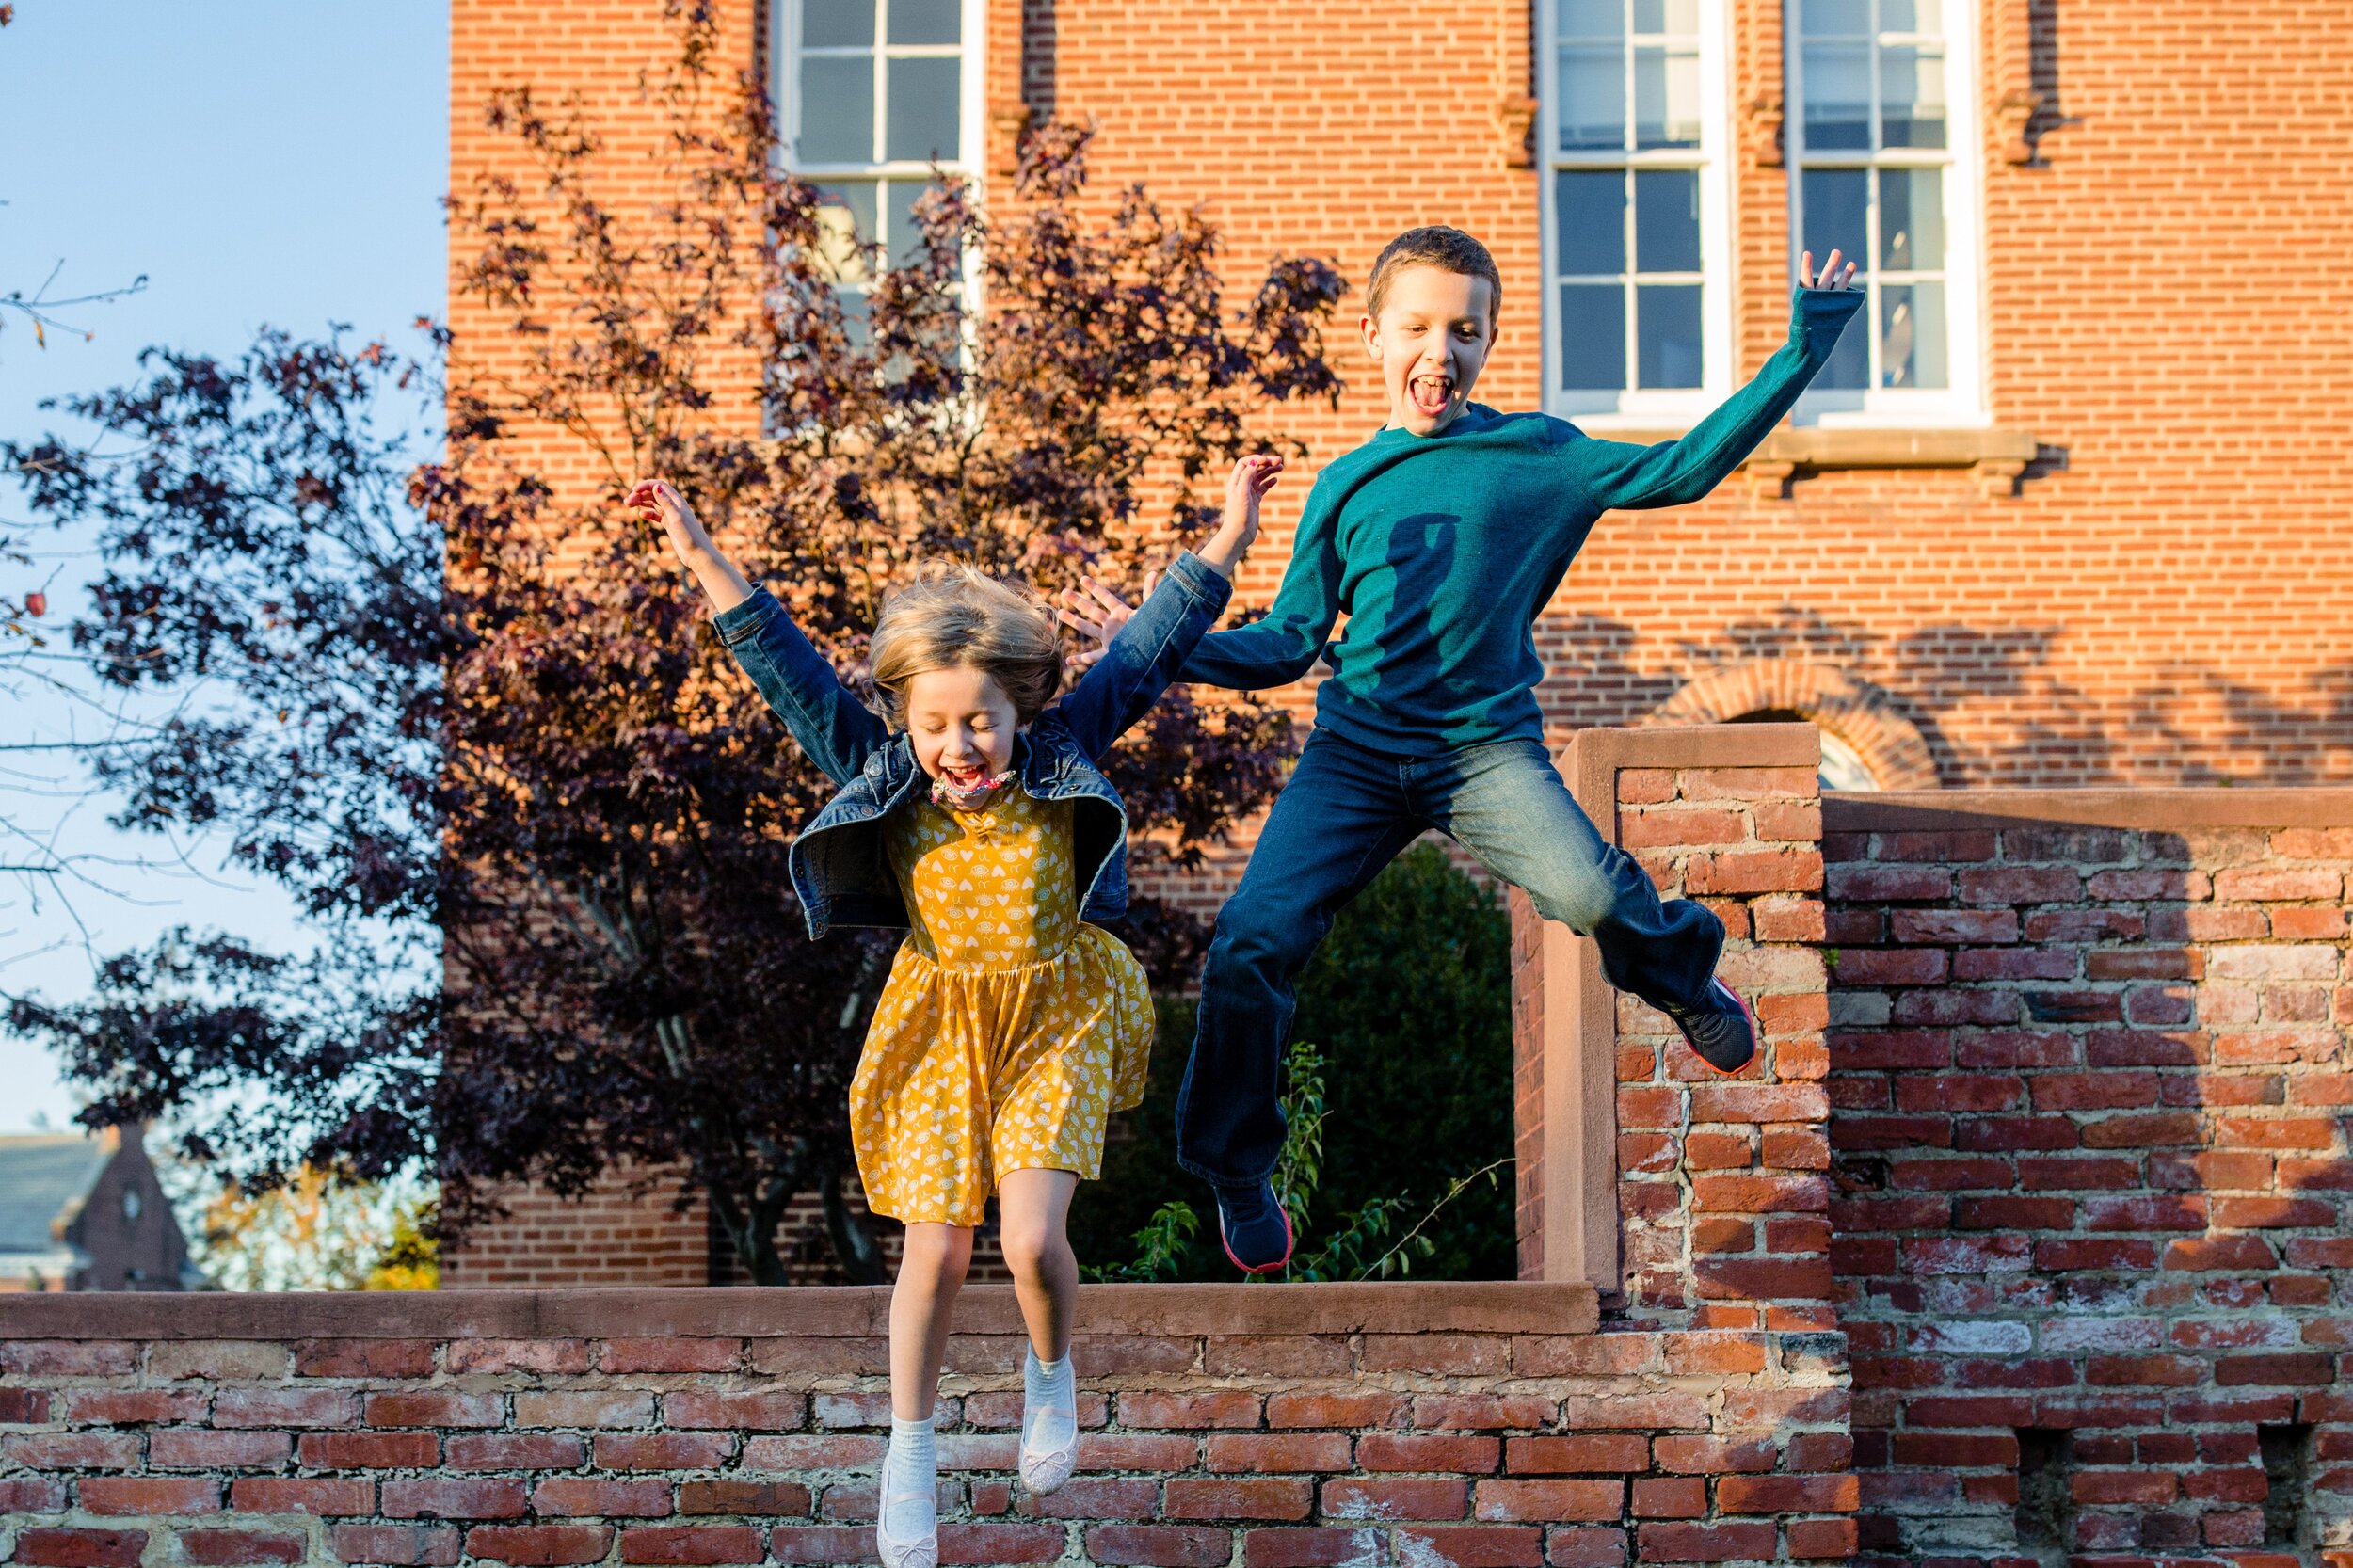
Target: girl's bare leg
931	1271
1036	1209
1035	1206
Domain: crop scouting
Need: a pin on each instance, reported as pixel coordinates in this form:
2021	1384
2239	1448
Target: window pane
857	317
1592	99
1828	18
1837	205
1911	97
1680	17
1669	340
1591	19
1849	368
923	109
905	235
1911	16
1911	335
1593	337
1837	95
1589	210
1911	219
846	225
926	20
837	23
1666	220
1666	97
837	109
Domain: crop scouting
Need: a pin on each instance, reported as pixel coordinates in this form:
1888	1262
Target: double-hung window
873	94
1877	171
1639	303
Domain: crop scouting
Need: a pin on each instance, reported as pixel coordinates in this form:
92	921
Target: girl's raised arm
832	727
657	500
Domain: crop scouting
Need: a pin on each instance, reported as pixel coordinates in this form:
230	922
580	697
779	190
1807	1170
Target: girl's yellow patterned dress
1009	1032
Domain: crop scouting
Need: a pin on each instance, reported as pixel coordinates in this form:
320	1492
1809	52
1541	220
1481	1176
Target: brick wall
610	1235
1263	1425
2091	1099
1702	1199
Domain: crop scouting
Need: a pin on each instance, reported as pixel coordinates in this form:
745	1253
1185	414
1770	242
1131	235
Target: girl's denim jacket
840	869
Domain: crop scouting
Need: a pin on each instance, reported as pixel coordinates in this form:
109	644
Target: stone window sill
1996	458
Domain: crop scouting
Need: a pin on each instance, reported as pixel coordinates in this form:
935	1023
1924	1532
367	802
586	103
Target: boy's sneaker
1255	1230
1722	1030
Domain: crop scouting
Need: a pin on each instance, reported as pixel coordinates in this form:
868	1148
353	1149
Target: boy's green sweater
1444	548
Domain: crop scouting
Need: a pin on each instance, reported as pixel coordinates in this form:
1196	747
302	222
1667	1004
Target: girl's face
961	723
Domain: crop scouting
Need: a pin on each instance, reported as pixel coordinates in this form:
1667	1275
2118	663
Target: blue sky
273	162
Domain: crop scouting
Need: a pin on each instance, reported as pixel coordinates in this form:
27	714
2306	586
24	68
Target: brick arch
1855	711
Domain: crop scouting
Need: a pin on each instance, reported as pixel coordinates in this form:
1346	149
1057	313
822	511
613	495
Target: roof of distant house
41	1173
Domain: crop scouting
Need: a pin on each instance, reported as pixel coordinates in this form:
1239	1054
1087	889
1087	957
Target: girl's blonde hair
953	614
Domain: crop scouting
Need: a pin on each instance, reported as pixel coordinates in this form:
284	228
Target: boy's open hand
1099	612
1832	278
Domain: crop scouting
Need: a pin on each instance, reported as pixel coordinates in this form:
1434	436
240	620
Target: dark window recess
2046	1505
2287	1452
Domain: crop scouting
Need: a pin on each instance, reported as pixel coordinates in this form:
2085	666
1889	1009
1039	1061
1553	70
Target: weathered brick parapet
2095	1224
1683	1195
1262	1425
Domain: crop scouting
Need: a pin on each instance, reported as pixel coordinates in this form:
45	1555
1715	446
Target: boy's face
1431	340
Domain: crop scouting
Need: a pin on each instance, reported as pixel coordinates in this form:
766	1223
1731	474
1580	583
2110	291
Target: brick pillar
1641	1170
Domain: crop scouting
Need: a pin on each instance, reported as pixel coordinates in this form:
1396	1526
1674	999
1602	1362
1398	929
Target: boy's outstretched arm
1617	473
837	731
1144	650
1282	647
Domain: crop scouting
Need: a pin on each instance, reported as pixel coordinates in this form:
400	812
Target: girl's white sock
908	1511
1050	1422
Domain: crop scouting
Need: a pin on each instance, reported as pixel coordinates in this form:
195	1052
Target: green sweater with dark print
1443	549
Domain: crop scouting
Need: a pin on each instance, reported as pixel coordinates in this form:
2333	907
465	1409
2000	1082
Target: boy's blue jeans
1345	813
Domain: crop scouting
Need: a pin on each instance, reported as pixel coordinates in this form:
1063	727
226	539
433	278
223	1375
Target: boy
1443	538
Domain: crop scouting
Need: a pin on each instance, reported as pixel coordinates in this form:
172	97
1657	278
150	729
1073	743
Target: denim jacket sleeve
1146	656
837	731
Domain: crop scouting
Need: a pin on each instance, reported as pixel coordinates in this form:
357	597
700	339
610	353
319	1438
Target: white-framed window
1635	208
1880	168
874	95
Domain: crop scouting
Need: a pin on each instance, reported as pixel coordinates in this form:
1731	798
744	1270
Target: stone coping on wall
1500	1306
2159	810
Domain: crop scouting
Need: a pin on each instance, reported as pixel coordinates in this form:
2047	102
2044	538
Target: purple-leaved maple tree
474	720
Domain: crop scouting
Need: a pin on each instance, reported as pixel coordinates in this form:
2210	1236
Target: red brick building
2070	510
2073	511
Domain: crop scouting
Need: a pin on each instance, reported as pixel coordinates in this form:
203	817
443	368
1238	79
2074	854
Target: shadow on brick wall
1994	702
2093	1200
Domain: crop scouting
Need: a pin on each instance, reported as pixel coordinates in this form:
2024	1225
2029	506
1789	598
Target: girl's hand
657	500
1099	612
1246	486
1832	278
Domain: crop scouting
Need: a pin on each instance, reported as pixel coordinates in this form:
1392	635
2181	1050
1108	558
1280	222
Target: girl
973	814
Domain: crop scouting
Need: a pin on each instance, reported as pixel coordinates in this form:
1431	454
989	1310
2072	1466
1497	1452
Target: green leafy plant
1159	1248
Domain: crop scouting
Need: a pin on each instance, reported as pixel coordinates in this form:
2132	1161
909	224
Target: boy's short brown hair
1437	246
